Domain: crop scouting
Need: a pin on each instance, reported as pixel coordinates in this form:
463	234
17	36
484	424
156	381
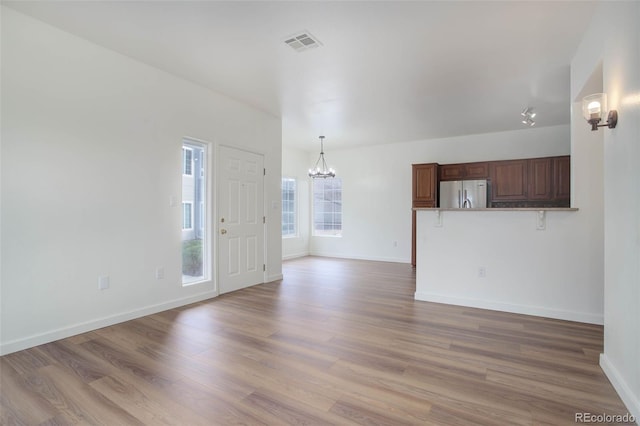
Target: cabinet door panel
509	180
476	170
425	183
451	172
562	178
540	179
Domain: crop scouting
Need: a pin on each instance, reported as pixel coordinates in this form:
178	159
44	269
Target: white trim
206	207
295	255
374	258
509	307
64	332
276	277
622	388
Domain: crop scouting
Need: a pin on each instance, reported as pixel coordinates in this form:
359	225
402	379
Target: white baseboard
513	308
62	333
619	383
375	259
295	255
275	277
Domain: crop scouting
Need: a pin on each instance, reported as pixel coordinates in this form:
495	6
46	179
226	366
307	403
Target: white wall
91	154
529	271
377	185
295	164
612	42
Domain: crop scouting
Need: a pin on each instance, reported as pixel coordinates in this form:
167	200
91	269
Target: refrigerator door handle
459	198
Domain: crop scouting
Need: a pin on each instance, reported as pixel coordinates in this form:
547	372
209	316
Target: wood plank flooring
336	342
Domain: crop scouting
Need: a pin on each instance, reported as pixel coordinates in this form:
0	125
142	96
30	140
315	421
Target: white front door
240	219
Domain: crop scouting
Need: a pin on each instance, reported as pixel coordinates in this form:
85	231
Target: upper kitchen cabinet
509	180
464	171
562	180
451	172
541	179
535	182
425	185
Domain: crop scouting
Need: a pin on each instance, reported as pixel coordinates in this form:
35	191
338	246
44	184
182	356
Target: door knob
223	231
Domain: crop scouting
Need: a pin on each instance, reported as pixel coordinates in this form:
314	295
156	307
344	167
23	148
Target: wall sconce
594	107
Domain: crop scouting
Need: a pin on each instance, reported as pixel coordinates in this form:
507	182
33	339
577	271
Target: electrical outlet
482	272
103	282
395	244
160	273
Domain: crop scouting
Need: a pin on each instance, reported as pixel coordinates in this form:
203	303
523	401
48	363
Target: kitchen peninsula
538	183
513	260
516	255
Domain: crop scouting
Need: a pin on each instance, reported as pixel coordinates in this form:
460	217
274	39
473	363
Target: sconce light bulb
594	107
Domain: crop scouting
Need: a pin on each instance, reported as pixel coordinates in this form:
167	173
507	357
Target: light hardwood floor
336	342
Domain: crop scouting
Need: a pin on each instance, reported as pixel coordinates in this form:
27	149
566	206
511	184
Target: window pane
187	161
288	207
195	264
186	216
327	206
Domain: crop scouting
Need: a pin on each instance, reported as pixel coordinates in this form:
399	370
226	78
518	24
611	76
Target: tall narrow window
327	207
289	207
195	263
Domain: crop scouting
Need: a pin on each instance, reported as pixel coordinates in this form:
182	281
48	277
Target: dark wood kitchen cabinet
424	194
562	180
476	170
509	180
425	185
540	179
464	171
451	172
550	180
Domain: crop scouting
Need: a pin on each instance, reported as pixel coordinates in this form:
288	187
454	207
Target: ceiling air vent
302	41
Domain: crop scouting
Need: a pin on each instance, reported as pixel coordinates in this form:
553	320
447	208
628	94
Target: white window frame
314	231
206	177
295	207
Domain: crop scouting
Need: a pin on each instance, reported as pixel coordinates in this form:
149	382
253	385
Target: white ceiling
387	71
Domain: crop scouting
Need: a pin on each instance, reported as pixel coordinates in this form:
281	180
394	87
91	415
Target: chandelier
317	171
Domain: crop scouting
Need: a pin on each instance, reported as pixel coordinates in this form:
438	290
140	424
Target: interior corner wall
376	184
295	164
612	41
91	156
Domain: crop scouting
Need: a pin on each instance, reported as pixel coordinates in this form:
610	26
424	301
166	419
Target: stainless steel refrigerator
463	194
